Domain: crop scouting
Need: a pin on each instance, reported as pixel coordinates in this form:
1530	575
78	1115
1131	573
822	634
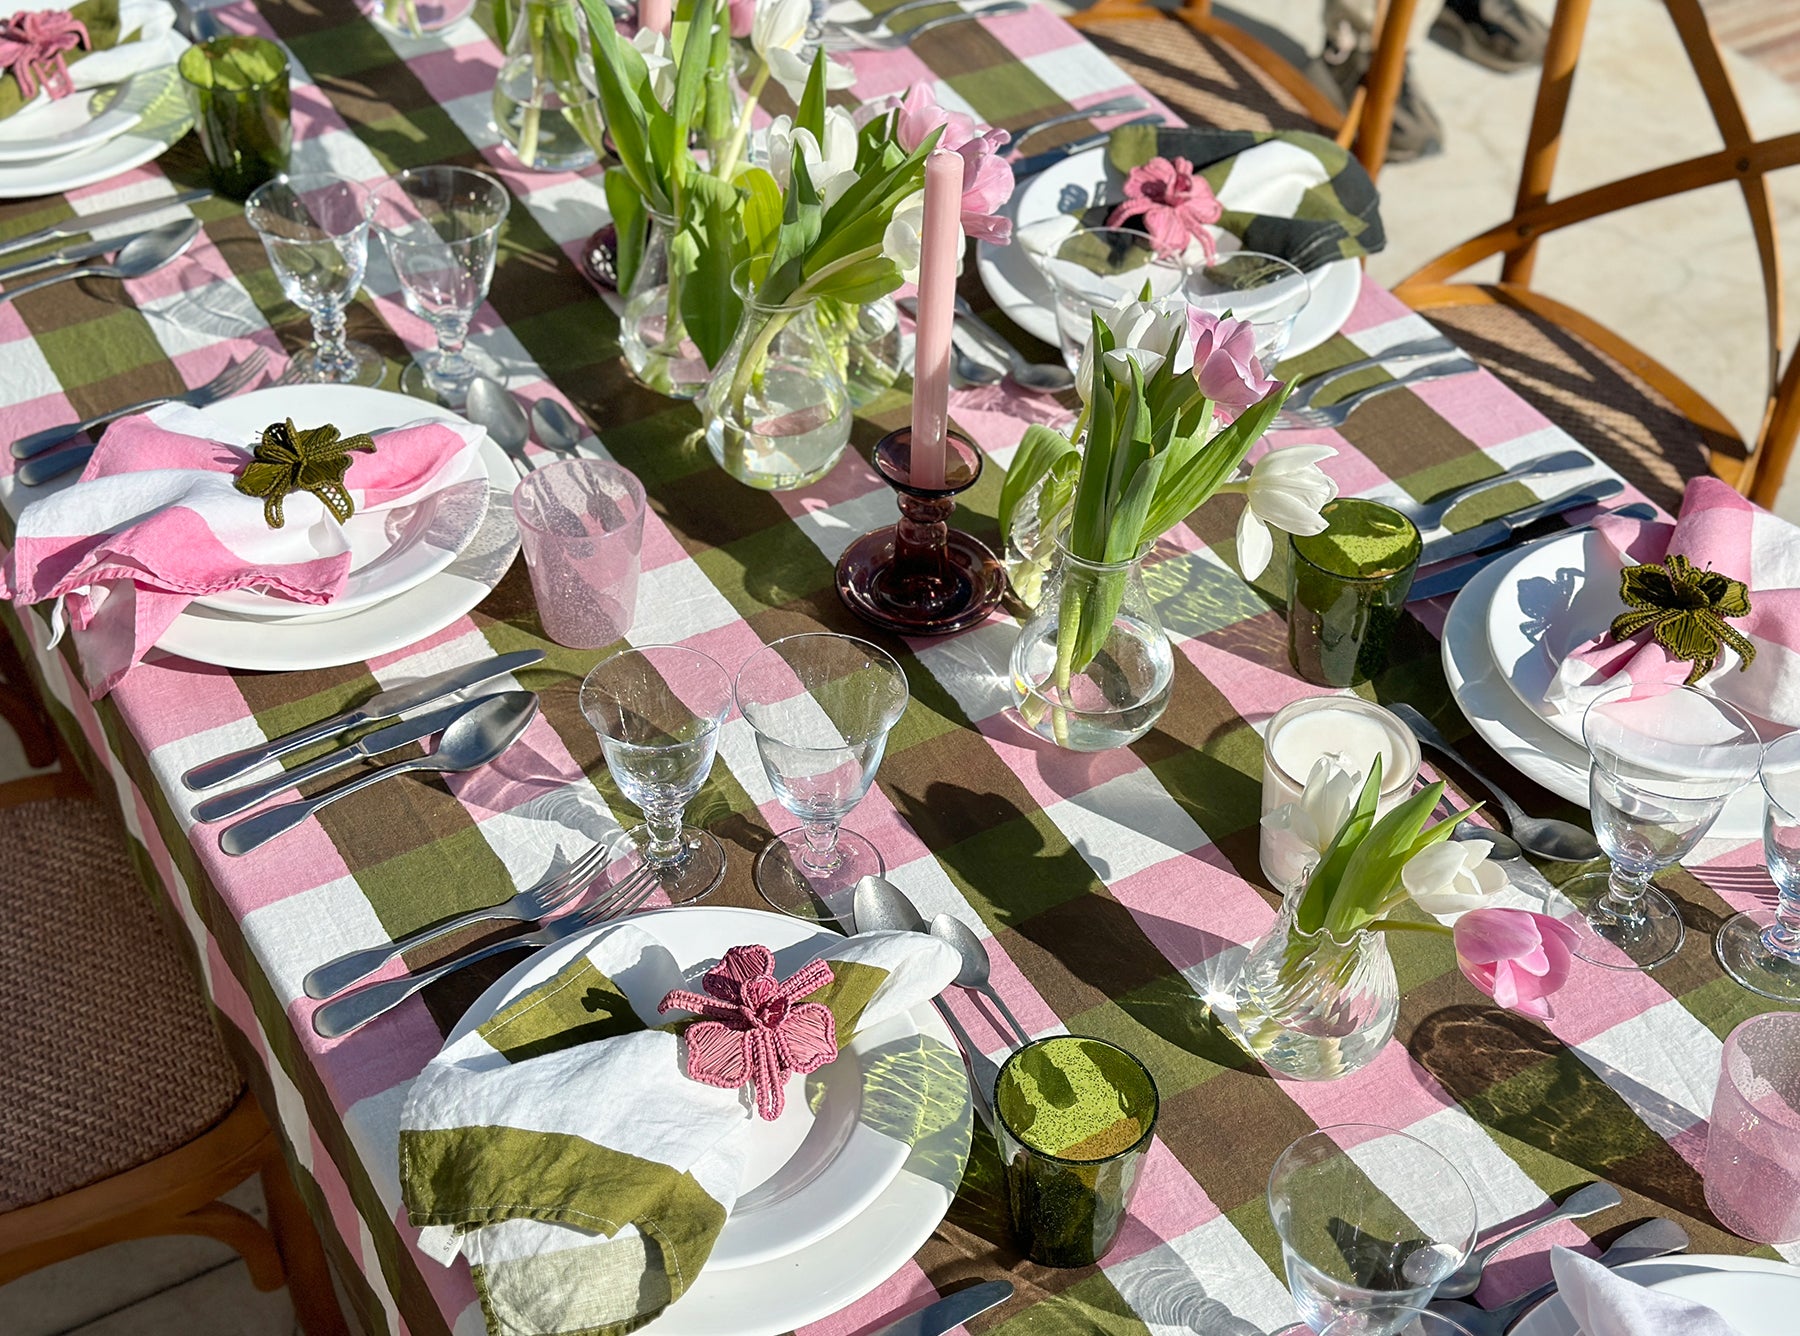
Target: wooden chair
121	1114
1632	411
1211	72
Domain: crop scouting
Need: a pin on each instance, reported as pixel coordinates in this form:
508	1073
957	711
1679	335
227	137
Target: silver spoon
1044	377
1589	1200
141	255
496	412
556	427
1561	841
881	906
476	736
975	966
1653	1238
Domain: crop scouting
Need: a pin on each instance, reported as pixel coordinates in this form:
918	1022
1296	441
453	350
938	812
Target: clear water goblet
1663	760
1371	1222
1095	269
441	229
315	228
1761	950
821	707
658	711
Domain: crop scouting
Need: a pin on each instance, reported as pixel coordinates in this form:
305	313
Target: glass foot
364	367
1752	961
423	379
819	895
1641	942
696	873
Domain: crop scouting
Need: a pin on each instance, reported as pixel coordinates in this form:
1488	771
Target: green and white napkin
561	1148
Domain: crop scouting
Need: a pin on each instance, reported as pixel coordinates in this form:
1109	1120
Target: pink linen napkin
1604	1304
1719	530
155	521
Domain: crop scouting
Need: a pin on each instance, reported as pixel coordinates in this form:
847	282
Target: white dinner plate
164	119
391	550
83	120
1522	737
1757	1297
777	1265
1020	289
332	637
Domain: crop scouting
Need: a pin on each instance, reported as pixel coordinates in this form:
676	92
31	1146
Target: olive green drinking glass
1347	591
238	90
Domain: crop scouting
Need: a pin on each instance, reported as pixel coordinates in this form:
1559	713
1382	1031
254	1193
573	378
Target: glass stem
664	825
1783	935
820	854
1625	892
329	352
452	337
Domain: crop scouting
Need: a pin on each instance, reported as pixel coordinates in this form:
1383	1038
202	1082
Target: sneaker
1417	132
1499	34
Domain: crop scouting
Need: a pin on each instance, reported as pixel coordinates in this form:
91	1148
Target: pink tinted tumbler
581	523
1753	1140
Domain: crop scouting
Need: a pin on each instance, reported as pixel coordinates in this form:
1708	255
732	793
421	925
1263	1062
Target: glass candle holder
1351	732
1075	1118
1347	590
238	90
1753	1137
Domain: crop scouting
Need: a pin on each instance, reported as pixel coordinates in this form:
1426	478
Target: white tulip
792	68
779	25
654	47
1305	828
1286	490
1143	332
831	167
1452	877
904	237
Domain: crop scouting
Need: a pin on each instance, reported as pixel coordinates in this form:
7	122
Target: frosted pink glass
581	523
1753	1140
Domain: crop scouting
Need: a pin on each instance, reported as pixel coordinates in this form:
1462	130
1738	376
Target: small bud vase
1312	1007
658	352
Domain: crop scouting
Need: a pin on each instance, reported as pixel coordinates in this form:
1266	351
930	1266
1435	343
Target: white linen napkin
1606	1304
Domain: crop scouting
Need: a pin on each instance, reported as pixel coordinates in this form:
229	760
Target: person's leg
1501	34
1339	68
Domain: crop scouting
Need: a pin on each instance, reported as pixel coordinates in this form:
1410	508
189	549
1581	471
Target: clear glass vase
415	18
1312	1007
1092	668
777	410
655	341
872	349
546	102
1037	525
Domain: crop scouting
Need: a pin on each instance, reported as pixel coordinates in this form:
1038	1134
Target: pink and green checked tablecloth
1115	889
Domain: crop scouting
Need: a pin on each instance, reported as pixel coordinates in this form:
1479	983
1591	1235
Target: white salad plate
1522	736
1756	1296
83	120
832	1204
163	118
1019	288
328	637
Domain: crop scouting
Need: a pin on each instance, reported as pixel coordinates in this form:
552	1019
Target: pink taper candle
656	14
939	250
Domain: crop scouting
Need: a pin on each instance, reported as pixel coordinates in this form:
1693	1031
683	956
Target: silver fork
875	22
342	1015
535	902
885	39
1336	414
229	381
1418	350
1428	515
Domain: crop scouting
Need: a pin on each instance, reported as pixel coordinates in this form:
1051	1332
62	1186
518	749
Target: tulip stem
734	147
1403	925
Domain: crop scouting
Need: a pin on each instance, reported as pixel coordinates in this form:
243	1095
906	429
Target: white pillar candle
1349	730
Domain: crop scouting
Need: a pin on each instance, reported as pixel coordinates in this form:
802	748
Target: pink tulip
743	15
987	177
1225	362
1516	957
1176	205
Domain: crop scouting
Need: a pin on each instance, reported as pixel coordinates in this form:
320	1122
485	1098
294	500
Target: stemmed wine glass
821	706
441	229
1760	950
315	228
1664	760
658	711
1371	1222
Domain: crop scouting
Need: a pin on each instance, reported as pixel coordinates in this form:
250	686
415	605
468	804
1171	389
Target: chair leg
242	1234
303	1256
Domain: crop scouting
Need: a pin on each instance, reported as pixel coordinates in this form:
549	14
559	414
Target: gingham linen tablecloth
1114	889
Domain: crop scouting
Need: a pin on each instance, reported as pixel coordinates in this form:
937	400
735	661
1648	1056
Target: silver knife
382	705
1497	531
950	1312
1439	583
83	223
81	250
1038	162
374	744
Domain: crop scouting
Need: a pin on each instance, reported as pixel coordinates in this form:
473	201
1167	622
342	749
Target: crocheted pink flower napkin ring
755	1029
33	47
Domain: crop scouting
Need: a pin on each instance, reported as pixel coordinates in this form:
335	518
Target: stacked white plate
840	1190
1080	181
1505	635
414	569
1756	1297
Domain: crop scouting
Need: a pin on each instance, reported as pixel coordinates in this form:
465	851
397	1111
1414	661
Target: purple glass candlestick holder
921	577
